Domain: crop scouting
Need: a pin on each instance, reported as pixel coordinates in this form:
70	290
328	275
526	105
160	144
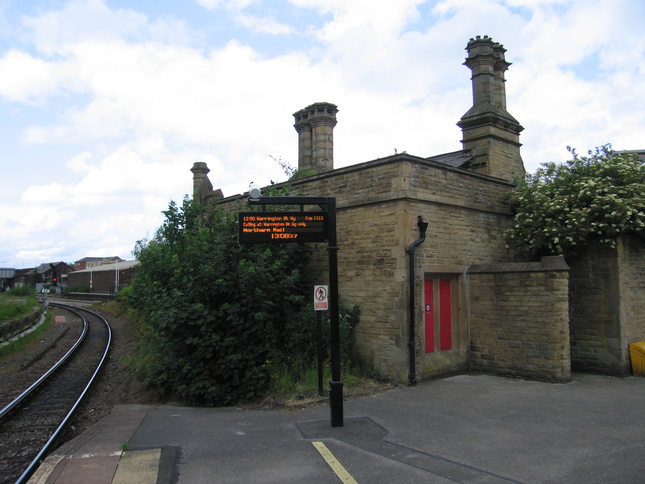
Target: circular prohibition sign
321	294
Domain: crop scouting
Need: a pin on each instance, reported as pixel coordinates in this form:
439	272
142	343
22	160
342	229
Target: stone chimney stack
202	186
490	133
315	127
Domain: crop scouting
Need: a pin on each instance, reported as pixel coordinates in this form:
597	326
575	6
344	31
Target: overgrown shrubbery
562	206
17	302
22	291
81	288
218	317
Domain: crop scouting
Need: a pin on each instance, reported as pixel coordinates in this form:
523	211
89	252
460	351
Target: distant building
7	278
105	279
639	153
25	277
52	274
89	262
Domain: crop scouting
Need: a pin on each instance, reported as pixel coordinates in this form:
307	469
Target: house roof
43	268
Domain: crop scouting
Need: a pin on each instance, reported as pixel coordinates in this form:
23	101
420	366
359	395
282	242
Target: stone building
451	299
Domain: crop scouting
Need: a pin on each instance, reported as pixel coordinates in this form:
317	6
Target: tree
562	206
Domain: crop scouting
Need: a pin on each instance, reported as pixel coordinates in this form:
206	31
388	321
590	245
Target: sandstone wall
631	267
607	306
518	321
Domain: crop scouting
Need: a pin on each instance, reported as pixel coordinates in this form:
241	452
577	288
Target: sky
106	104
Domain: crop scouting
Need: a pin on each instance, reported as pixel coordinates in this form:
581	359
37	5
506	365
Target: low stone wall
14	326
519	319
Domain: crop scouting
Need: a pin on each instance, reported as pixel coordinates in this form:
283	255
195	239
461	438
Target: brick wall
518	319
102	279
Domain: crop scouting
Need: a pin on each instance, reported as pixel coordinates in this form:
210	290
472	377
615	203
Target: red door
438	314
429	315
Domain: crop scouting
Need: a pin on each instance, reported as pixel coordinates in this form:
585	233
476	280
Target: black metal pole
320	351
328	203
335	385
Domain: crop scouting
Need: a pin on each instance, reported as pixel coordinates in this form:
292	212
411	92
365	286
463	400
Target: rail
48	446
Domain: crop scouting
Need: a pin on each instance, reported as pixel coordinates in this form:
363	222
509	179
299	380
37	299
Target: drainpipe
422	229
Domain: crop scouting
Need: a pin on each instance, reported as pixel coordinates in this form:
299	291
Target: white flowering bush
560	207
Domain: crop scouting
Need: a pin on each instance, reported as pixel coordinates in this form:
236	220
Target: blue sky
106	104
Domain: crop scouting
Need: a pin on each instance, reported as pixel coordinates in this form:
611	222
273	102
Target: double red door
438	303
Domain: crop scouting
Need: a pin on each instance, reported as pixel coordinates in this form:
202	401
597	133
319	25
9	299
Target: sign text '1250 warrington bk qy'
261	227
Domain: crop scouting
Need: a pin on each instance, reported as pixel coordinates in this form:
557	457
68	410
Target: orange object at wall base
637	354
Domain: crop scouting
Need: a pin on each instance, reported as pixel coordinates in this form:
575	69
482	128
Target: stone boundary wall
607	306
631	267
519	319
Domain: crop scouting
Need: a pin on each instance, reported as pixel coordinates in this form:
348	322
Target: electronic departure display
263	227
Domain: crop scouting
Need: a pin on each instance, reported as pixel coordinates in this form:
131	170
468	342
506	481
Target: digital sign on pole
263	227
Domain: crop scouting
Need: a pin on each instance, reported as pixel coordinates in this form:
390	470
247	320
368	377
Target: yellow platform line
336	466
140	466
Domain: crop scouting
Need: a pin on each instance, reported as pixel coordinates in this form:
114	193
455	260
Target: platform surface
469	429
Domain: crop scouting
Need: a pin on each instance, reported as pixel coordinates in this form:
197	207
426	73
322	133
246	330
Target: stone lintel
546	264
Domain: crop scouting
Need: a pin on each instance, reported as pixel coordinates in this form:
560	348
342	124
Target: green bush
562	206
22	291
78	289
216	311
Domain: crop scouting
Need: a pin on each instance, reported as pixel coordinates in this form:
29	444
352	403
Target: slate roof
456	159
89	259
43	268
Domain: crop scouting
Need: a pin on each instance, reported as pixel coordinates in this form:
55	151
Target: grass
304	383
13	306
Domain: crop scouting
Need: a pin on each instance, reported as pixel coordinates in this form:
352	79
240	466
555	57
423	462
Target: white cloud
79	163
79	21
25	78
265	25
20	221
232	4
46	134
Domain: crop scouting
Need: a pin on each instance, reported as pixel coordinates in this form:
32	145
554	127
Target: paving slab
94	455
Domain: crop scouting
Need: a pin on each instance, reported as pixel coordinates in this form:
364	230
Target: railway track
33	422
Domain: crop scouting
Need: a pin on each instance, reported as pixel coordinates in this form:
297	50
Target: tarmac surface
467	429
